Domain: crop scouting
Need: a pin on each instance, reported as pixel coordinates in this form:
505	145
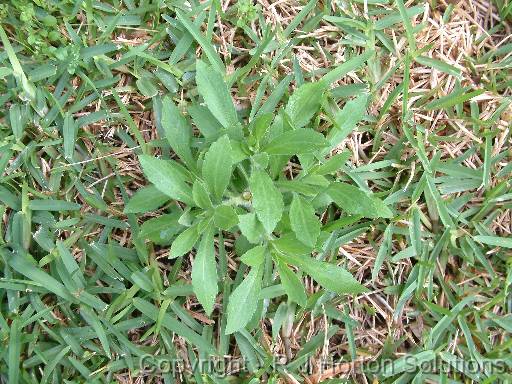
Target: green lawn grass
310	191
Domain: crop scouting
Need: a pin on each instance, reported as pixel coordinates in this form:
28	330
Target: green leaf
333	164
200	195
28	87
204	121
296	142
383	252
395	17
173	325
69	135
53	205
407	24
4	71
142	280
184	242
292	284
14	351
243	302
454	98
10	199
92	319
304	103
204	273
161	229
275	97
330	276
20	229
266	200
177	130
251	227
58	358
225	217
439	65
217	167
497	241
254	256
259	127
146	86
289	244
145	200
347	118
415	231
166	178
403	364
303	221
214	90
504	322
22	265
356	202
260	160
350	65
295	22
205	44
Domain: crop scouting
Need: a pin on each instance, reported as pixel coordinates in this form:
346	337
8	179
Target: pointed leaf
146	86
266	200
348	66
205	44
347	119
383	252
69	135
53	205
200	195
145	200
204	121
303	221
330	276
354	201
225	217
254	256
217	167
92	319
160	229
204	273
14	351
178	131
497	241
184	242
296	142
214	90
244	301
250	227
173	325
288	244
22	265
167	178
292	285
304	103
